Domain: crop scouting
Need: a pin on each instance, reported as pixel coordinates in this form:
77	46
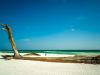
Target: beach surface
31	67
41	55
28	67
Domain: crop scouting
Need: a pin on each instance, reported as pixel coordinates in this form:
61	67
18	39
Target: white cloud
81	18
26	39
72	29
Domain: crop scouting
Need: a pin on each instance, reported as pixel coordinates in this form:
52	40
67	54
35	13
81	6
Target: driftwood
92	60
9	31
8	57
75	59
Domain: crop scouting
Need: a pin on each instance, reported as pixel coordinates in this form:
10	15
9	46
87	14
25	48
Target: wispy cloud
81	18
60	41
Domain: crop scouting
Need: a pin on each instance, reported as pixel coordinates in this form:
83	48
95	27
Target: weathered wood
9	31
75	59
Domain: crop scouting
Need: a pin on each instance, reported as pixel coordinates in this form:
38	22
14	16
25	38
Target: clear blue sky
51	24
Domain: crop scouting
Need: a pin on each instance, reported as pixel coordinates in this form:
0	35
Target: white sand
41	55
27	67
54	55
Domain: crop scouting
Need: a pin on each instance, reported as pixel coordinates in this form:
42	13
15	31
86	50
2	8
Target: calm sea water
68	52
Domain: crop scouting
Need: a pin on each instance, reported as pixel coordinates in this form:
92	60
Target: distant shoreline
60	52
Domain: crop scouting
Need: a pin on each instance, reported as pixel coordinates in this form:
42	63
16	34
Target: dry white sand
41	55
54	55
27	67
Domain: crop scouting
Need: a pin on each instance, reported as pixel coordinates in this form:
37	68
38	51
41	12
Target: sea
67	52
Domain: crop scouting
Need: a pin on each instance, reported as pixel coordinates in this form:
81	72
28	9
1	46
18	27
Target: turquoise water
68	52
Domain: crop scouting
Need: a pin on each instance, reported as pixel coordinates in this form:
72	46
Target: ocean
68	52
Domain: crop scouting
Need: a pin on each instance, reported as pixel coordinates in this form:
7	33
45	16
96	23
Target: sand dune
27	67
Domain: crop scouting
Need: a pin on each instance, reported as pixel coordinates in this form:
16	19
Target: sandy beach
28	67
41	55
31	67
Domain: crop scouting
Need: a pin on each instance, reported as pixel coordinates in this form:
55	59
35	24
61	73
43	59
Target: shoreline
52	54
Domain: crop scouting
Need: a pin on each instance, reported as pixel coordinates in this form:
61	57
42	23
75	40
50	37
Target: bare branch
9	31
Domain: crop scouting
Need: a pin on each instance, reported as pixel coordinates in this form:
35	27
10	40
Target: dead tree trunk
9	31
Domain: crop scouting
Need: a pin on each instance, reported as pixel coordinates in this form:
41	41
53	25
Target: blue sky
51	24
